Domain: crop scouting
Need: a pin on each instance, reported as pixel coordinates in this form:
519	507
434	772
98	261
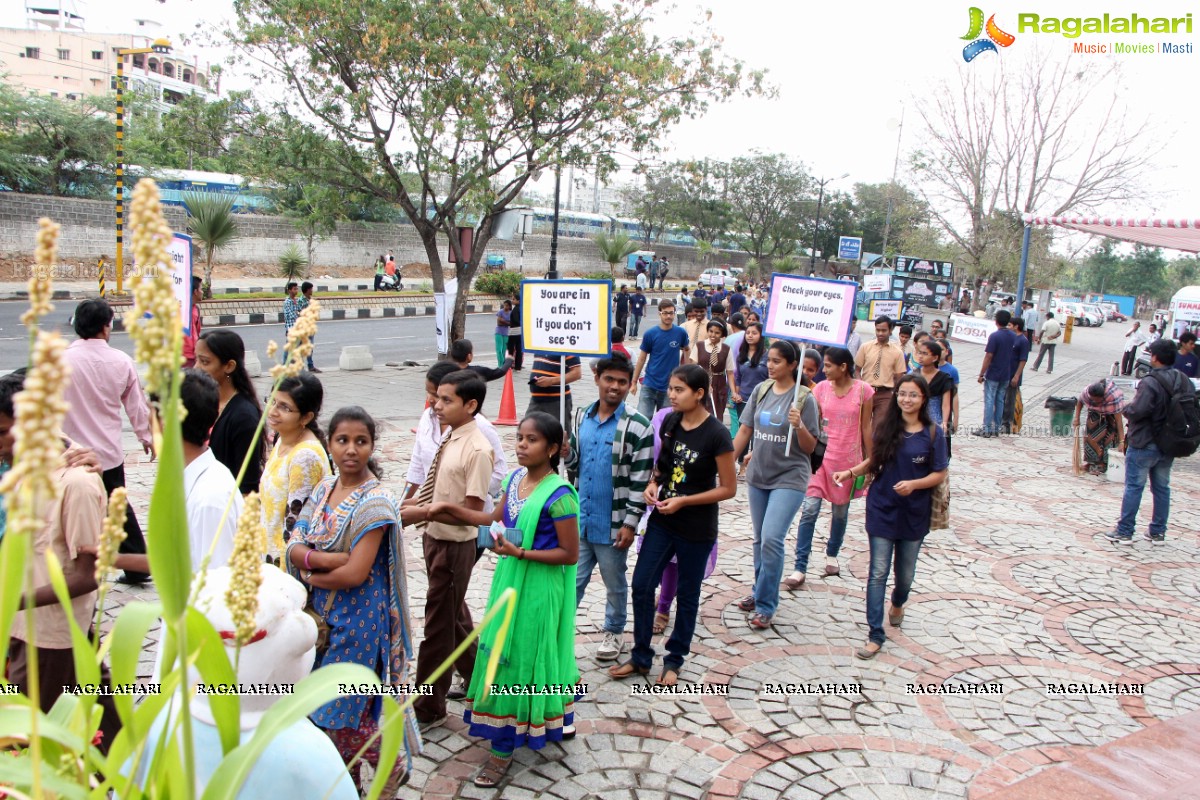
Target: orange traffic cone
423	410
508	403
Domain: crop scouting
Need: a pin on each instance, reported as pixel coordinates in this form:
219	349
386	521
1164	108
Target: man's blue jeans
883	553
635	322
771	513
993	405
808	522
651	400
1141	462
658	545
612	572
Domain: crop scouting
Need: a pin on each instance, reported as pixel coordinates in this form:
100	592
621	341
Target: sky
847	72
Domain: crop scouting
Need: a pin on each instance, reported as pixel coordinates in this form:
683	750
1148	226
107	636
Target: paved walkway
1019	594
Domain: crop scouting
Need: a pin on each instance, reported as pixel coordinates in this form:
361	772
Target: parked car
1112	312
715	276
1095	311
1083	317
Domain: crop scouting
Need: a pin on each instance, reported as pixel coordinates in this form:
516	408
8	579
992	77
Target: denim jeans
1141	462
612	572
658	545
651	400
883	552
771	513
635	323
808	523
993	405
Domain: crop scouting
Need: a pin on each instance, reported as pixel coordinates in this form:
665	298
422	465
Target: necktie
878	362
425	494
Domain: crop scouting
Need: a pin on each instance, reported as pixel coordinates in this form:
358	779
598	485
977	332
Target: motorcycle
391	283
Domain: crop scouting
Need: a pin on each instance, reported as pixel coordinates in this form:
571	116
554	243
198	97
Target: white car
715	277
1082	316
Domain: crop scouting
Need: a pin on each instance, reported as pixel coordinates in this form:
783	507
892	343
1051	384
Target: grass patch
280	295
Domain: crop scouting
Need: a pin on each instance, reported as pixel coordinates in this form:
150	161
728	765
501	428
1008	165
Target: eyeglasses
910	396
282	408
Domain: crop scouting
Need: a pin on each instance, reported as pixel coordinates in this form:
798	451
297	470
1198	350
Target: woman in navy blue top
908	459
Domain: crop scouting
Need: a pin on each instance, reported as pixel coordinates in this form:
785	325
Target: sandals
760	622
669	677
626	669
895	616
661	621
869	651
746	603
792	582
492	772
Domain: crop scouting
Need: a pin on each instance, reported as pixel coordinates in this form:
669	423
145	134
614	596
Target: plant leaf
125	650
212	661
167	537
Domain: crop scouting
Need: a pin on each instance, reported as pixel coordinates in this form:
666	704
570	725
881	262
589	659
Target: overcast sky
846	70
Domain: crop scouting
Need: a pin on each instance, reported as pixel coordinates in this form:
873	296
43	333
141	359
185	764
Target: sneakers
1117	538
747	603
611	648
458	688
1155	538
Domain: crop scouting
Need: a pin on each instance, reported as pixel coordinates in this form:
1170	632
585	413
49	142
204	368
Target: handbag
322	624
939	517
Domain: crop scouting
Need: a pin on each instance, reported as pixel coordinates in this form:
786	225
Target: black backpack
1180	433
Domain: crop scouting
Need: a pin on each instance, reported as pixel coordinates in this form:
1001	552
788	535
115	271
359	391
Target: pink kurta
841	422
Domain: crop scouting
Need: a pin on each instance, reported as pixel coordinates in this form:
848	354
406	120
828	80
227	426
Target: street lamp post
553	273
157	46
812	256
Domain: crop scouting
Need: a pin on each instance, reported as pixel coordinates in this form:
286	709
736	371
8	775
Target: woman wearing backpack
908	459
776	478
845	405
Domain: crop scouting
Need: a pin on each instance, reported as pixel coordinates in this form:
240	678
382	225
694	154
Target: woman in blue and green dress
539	650
347	547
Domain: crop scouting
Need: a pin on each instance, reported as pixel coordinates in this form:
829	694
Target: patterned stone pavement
1019	595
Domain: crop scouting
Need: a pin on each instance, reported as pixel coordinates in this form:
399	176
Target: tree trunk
208	275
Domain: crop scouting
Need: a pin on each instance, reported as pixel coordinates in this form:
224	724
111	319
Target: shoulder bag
939	518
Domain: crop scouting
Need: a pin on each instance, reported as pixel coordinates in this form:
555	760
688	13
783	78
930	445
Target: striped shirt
632	463
548	366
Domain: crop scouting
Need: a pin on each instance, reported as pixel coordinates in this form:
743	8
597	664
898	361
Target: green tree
195	133
887	207
55	147
212	225
460	93
703	206
614	248
655	205
766	193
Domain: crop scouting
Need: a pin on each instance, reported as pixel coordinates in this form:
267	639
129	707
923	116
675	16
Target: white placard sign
886	308
567	317
180	249
877	283
966	328
814	310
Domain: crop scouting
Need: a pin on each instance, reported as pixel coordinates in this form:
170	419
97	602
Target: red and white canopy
1177	234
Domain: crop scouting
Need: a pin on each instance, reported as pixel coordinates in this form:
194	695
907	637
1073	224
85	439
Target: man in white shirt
208	485
1134	338
1048	338
642	282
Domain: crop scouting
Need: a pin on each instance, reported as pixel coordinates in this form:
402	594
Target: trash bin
1062	411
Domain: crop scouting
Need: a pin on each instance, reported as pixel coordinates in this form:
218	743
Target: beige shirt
72	522
464	470
1050	331
880	365
694	327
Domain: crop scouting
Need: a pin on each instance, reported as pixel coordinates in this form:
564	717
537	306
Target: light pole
157	46
812	258
553	273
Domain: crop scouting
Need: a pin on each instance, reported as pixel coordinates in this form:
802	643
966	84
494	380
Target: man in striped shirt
610	457
546	385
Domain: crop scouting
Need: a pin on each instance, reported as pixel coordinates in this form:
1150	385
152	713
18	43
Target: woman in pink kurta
845	405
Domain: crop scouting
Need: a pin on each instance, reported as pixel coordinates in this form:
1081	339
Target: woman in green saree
532	697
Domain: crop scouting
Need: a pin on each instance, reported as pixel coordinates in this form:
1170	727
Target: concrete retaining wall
88	230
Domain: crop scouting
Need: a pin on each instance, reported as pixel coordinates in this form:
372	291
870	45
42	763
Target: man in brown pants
880	363
460	474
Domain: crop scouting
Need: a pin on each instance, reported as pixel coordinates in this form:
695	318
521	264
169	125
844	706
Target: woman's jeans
658	545
883	553
771	513
808	523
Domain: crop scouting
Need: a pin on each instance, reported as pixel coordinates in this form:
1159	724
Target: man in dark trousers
515	341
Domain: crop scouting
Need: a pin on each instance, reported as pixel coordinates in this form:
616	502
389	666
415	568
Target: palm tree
614	249
212	225
292	264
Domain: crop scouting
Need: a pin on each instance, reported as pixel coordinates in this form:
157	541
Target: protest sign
814	310
886	308
966	328
180	249
567	317
877	283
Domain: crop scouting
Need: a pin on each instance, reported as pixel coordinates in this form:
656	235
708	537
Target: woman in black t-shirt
684	493
222	354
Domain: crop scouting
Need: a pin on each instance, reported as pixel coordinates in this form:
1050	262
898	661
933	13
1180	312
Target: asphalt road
395	339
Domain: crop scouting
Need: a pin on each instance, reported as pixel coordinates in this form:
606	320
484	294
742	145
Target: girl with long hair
845	405
778	475
298	461
222	354
908	458
941	385
685	494
540	647
347	546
